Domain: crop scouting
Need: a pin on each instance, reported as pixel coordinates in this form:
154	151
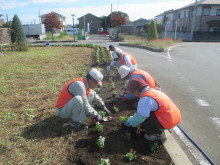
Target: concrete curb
142	47
174	150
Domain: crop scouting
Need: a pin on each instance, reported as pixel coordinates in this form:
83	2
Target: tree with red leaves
51	22
118	19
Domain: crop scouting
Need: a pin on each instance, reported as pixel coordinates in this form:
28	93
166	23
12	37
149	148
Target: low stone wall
5	37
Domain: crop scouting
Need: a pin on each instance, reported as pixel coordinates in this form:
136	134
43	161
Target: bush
152	33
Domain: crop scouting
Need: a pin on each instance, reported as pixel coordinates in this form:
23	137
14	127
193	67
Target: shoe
78	126
153	137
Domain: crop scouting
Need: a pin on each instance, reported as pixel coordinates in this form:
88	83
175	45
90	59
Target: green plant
123	119
102	113
97	90
131	155
99	127
101	142
113	85
104	161
110	79
114	92
154	147
152	33
18	36
116	109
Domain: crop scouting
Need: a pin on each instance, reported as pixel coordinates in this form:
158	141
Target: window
179	15
206	11
218	12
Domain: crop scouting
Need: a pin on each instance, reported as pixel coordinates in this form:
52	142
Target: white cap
97	75
124	71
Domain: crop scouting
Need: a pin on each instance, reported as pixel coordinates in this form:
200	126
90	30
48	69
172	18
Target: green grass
29	85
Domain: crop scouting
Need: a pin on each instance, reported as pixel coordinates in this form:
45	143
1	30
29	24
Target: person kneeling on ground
130	73
122	58
76	98
155	112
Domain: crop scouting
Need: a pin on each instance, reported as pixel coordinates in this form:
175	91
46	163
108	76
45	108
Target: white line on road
202	102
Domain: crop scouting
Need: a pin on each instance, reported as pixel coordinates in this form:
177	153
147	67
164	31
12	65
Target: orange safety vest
122	61
149	79
167	114
65	95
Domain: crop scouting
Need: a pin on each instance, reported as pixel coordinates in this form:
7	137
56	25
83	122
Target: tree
7	25
17	35
51	22
105	22
118	19
152	33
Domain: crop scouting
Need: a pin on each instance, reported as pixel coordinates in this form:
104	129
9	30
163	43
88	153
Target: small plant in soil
102	113
104	161
110	79
97	90
101	142
154	147
113	85
116	109
114	93
131	155
99	127
127	136
123	119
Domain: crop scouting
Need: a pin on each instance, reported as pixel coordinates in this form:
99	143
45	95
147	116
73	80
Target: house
90	23
138	25
60	18
196	19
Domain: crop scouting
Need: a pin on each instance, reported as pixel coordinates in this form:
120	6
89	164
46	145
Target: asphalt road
190	75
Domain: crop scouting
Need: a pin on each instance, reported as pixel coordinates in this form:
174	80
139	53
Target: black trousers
152	125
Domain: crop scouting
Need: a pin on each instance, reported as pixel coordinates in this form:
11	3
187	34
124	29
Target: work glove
127	124
108	69
98	117
106	110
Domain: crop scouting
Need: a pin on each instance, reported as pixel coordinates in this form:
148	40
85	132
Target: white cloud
9	4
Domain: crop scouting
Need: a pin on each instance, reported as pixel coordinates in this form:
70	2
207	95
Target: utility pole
73	15
193	21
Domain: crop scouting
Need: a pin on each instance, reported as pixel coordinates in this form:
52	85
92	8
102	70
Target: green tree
152	33
7	25
17	35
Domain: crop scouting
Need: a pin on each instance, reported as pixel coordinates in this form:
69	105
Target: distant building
61	18
207	18
90	23
138	25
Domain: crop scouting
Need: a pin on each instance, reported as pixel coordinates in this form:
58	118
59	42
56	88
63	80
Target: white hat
97	75
124	71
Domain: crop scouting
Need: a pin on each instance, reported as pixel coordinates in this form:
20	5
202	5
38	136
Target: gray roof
203	2
141	19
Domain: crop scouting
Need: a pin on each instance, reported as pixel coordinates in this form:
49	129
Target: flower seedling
99	127
110	79
116	109
113	86
131	155
101	142
102	113
97	90
104	161
114	93
123	119
154	147
127	136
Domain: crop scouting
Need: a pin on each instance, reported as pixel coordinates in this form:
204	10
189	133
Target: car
104	32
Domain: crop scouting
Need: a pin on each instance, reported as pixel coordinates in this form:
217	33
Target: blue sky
28	10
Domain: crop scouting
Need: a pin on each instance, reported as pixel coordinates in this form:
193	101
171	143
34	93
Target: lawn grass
29	85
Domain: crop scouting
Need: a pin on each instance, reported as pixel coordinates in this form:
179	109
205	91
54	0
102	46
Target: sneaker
78	126
160	136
